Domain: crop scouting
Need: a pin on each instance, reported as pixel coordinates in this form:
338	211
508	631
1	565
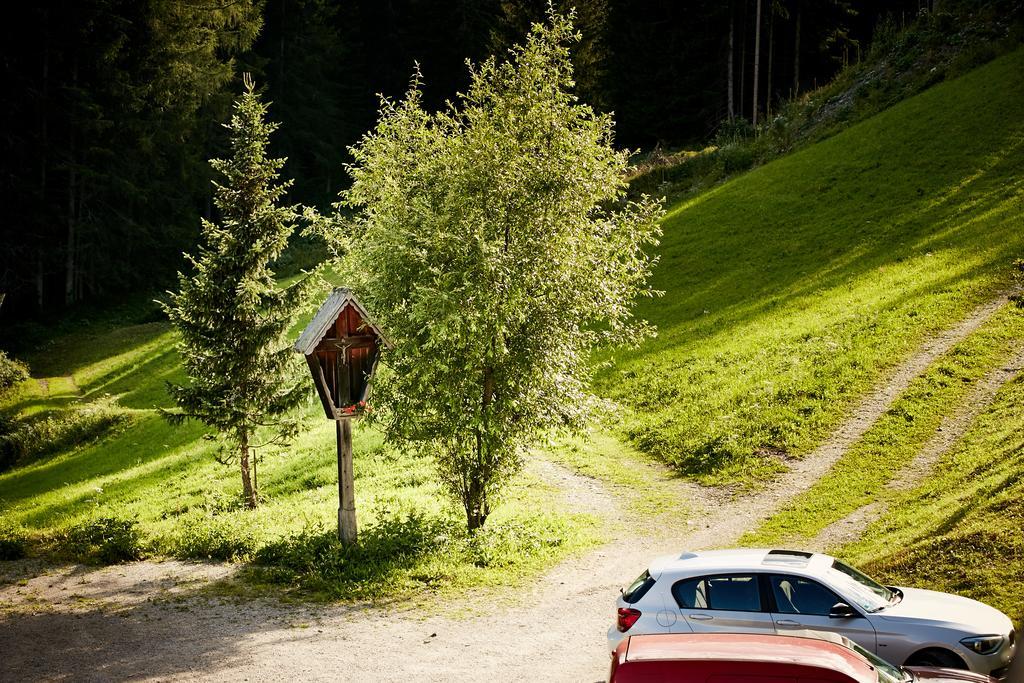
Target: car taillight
627	617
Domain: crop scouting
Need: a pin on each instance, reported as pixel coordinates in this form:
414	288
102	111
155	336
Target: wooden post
347	530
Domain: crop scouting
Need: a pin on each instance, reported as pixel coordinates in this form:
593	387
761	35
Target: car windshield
866	592
887	673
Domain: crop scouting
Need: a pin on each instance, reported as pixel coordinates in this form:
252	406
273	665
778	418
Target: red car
761	658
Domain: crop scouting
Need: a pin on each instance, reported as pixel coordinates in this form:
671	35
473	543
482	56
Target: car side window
735	592
691	593
797	595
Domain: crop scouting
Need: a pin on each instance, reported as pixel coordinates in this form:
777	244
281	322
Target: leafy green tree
230	314
495	247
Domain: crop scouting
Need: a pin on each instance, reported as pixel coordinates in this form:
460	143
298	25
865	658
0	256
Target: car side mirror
841	610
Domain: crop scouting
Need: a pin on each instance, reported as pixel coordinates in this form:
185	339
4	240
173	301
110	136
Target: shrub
13	543
736	130
12	373
105	540
405	550
24	440
228	539
736	157
315	560
506	544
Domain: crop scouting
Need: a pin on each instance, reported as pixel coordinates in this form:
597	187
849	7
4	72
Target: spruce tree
230	314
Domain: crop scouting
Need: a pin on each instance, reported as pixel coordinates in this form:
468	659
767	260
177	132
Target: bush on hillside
1018	277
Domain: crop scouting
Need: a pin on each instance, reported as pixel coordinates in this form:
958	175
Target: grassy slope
860	476
961	530
791	289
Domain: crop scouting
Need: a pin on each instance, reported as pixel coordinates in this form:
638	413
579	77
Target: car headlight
983	645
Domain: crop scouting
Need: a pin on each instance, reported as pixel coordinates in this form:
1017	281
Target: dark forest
113	107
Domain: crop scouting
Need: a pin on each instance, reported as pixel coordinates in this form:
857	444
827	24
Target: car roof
752	648
740	559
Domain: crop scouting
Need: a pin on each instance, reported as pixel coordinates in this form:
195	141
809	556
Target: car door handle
701	617
787	622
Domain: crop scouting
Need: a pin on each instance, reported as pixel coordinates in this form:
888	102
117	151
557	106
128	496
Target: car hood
924	605
929	674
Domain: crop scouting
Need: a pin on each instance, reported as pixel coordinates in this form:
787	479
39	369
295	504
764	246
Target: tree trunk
280	56
732	44
248	491
796	55
43	147
475	496
477	508
40	278
69	257
475	499
757	57
743	60
771	54
474	493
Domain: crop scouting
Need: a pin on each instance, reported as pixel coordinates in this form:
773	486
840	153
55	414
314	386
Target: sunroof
789	558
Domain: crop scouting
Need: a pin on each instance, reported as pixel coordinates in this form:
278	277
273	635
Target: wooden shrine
342	346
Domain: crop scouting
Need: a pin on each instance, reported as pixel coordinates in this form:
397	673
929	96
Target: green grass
791	289
860	476
960	530
187	505
183	503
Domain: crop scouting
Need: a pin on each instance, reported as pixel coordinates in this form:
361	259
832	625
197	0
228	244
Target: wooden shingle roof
327	314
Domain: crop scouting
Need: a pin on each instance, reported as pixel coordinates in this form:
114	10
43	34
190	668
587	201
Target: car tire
937	657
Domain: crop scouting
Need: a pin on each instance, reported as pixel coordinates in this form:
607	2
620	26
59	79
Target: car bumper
615	636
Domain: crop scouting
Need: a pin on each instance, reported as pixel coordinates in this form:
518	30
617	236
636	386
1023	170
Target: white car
779	591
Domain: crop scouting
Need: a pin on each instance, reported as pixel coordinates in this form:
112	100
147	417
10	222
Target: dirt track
145	622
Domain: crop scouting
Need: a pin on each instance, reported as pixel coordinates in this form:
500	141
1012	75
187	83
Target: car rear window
735	592
638	588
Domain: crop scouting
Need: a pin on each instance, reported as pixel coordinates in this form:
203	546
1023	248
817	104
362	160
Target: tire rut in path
850	528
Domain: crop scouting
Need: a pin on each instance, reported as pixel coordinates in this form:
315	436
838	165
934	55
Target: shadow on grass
980	503
143	385
75	352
